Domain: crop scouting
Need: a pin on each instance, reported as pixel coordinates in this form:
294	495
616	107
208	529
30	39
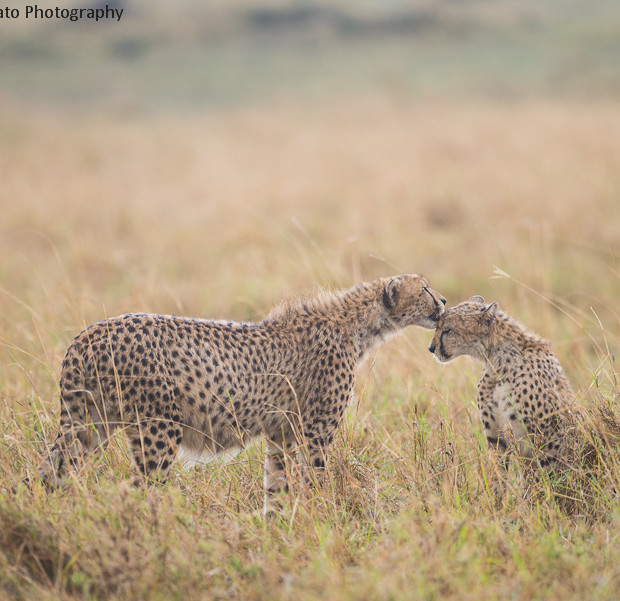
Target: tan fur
208	387
524	397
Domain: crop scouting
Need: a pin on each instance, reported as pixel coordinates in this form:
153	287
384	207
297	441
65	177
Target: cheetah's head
409	300
463	329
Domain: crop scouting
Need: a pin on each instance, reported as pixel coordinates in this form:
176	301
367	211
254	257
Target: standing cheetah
205	387
524	397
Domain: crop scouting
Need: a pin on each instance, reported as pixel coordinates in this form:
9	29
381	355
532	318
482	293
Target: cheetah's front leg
319	419
488	408
319	424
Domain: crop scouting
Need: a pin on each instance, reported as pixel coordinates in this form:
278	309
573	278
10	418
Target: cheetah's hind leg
82	429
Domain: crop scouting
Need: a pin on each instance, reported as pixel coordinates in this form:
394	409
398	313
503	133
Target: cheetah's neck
355	314
368	324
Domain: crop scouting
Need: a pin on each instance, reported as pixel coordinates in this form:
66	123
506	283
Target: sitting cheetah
205	387
524	397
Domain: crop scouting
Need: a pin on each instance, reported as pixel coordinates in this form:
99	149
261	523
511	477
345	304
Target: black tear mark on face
442	350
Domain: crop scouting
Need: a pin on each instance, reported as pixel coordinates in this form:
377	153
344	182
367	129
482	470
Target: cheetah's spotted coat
205	387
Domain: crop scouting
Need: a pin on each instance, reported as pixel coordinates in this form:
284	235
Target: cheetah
199	388
524	398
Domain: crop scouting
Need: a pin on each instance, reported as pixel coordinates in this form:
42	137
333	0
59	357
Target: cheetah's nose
443	300
431	347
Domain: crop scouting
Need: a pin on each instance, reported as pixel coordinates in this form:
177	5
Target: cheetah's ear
477	299
390	293
490	310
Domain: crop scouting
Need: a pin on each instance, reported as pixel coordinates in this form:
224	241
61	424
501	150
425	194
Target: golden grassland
223	213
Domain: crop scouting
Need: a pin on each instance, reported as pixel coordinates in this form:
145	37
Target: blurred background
210	158
191	55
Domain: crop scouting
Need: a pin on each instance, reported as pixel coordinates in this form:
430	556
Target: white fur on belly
192	457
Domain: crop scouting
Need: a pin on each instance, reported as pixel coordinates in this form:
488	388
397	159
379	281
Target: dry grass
220	215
